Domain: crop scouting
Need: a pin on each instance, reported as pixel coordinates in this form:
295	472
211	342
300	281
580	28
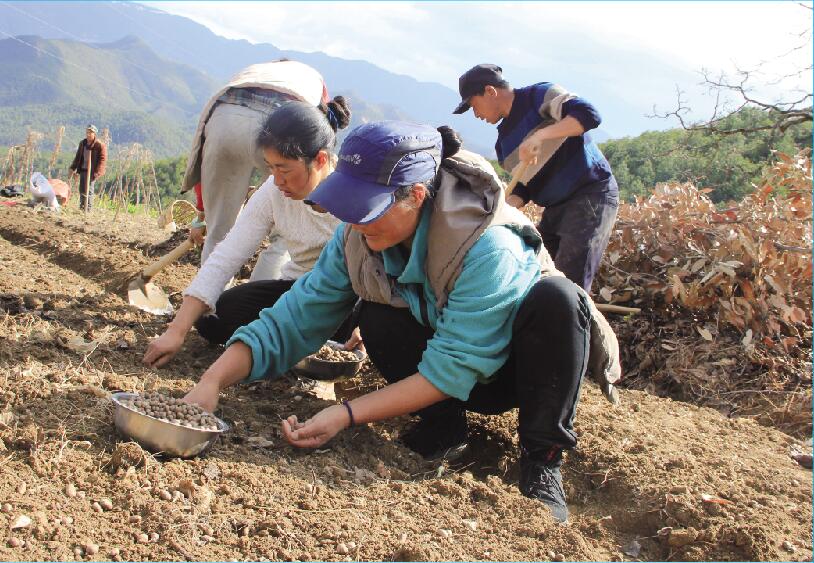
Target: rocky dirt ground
652	478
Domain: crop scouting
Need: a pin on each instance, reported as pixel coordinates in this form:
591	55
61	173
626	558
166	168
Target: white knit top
304	231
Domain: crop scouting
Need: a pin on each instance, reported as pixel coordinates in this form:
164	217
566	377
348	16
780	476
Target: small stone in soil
91	548
21	521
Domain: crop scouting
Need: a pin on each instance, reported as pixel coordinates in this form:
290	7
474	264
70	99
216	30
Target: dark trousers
240	305
542	376
85	190
576	232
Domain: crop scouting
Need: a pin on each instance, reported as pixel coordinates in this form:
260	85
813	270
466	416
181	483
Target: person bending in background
297	141
547	126
224	153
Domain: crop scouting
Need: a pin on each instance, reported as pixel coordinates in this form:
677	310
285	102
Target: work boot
439	438
542	480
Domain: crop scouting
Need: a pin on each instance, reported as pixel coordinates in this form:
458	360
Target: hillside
125	75
728	165
182	40
123	85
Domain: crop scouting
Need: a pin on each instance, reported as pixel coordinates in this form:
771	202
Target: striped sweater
566	166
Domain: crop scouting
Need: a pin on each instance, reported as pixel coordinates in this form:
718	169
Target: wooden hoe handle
516	178
167	259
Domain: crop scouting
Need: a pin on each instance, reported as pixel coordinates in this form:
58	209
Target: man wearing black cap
89	163
547	126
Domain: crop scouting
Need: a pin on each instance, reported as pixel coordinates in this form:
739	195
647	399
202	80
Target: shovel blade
148	297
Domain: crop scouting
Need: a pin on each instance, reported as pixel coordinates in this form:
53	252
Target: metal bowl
324	370
162	437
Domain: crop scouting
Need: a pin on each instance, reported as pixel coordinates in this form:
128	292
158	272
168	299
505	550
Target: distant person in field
42	192
224	152
92	153
569	176
297	141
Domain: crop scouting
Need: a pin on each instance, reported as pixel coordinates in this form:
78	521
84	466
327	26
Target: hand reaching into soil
163	349
318	429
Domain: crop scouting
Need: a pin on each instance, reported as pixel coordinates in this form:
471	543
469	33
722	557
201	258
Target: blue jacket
473	330
578	166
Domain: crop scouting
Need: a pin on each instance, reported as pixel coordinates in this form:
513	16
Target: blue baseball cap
375	160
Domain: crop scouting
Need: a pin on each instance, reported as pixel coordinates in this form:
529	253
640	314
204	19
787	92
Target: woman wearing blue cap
461	307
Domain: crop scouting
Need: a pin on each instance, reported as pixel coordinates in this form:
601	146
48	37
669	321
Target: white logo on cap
355	158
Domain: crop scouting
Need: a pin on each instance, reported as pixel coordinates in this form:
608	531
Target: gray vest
469	199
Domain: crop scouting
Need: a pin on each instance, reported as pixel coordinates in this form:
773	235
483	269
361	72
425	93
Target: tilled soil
651	478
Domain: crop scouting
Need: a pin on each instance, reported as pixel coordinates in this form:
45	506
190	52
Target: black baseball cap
472	82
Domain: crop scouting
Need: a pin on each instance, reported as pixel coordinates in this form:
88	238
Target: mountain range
146	74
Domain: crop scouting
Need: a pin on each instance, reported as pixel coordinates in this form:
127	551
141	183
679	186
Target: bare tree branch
732	94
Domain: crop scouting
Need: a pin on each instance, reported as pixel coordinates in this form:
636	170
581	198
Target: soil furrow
682	482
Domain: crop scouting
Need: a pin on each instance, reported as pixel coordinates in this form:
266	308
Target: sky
631	55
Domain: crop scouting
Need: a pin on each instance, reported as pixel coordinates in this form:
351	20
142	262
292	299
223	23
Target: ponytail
298	130
451	141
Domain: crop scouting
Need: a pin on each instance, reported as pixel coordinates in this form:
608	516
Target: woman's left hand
318	429
355	341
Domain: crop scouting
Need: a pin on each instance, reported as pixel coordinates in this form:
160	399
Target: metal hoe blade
148	297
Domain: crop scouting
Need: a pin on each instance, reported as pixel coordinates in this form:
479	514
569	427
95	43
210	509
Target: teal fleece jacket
473	331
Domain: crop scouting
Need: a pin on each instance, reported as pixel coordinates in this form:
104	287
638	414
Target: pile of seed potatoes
328	354
172	410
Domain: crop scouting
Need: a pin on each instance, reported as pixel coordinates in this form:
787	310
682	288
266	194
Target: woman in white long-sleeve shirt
296	140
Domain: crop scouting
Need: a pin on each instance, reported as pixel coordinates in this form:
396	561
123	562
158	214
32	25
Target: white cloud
404	36
637	51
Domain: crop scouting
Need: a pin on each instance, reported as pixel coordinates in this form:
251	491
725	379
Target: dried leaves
747	266
726	296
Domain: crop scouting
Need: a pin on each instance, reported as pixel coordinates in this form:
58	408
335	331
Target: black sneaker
543	481
438	438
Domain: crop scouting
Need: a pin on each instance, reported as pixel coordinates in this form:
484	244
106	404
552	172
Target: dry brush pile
726	295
